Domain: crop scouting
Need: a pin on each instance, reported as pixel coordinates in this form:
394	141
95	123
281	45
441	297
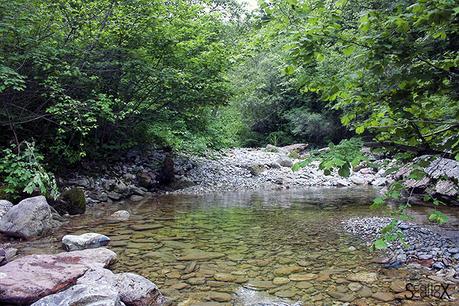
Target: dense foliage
90	78
389	66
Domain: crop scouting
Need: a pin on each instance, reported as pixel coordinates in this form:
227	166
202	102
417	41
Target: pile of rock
134	176
440	180
269	168
139	173
75	277
424	246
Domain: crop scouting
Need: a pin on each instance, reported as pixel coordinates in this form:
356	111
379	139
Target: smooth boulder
29	218
133	289
136	290
84	241
100	295
27	279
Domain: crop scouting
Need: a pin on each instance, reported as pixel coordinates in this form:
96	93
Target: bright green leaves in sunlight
343	157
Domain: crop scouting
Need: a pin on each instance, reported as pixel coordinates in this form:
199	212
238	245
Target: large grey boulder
30	218
136	290
84	241
133	289
88	295
5	206
27	279
98	275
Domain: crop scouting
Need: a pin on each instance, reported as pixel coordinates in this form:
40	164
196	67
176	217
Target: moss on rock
75	201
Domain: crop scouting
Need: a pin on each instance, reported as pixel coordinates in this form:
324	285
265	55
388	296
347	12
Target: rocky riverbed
417	246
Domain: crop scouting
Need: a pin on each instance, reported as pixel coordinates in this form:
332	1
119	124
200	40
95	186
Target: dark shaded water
246	248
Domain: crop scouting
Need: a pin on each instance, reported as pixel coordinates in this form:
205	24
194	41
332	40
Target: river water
249	248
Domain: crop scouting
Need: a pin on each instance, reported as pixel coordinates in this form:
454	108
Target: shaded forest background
87	80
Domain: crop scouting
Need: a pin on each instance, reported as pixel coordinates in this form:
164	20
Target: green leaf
360	129
289	70
349	50
380	244
438	217
378	202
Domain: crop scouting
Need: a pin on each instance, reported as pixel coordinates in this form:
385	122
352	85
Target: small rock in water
398	286
354	286
343	297
280	281
121	215
220	297
363	277
6	255
383	296
84	241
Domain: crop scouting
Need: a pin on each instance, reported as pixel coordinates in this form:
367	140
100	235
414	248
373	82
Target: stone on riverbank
84	241
27	279
75	201
29	218
133	289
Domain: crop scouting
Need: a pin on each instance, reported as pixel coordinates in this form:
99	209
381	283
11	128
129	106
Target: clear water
245	248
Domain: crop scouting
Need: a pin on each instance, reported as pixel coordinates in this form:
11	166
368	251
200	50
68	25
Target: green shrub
22	172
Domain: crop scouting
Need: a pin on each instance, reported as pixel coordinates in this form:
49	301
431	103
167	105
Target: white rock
121	215
84	241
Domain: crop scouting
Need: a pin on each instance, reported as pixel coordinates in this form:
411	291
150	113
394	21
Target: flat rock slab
363	277
27	279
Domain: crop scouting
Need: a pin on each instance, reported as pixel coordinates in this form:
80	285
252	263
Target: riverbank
142	173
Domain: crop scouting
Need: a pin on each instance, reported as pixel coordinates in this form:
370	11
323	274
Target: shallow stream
250	248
